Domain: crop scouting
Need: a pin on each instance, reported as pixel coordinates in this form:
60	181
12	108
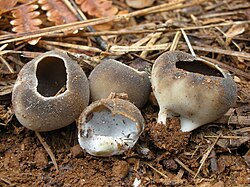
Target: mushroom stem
163	115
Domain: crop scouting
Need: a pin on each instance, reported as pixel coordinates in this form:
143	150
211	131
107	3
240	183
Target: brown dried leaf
235	30
6	5
57	11
98	8
26	20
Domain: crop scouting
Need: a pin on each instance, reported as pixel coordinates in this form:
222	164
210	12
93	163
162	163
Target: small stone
170	164
41	158
76	151
120	169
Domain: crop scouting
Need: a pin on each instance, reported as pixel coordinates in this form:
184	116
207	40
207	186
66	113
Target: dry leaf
108	25
98	8
57	11
6	5
26	20
235	30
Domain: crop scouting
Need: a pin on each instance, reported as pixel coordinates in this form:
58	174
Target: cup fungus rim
125	65
224	72
104	103
52	54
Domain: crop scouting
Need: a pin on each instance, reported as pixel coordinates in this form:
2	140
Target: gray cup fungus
113	76
191	87
109	127
38	103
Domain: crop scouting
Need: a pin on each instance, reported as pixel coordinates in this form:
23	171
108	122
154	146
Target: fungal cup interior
200	67
102	122
52	76
105	133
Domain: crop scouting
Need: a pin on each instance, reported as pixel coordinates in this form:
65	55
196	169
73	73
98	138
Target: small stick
7	64
6	181
223	51
180	173
184	166
116	48
157	171
188	43
47	148
175	41
228	137
151	42
207	154
62	89
71	46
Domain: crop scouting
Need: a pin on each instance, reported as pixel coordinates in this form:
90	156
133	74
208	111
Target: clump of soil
168	137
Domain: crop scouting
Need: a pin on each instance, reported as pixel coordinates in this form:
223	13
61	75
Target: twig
71	46
175	41
180	173
47	148
184	166
217	25
157	171
62	89
188	43
207	154
140	48
242	130
227	137
6	181
151	42
223	51
124	32
7	64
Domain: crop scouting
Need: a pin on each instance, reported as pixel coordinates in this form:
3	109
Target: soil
155	160
216	154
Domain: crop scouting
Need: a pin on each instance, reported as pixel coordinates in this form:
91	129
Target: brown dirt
24	161
163	156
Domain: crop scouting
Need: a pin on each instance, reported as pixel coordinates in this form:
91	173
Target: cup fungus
109	127
114	76
197	90
50	92
140	3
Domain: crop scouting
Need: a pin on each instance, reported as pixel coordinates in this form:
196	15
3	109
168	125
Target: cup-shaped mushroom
50	92
140	3
109	127
114	76
197	90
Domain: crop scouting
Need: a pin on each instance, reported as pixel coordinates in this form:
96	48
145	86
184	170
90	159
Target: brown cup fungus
50	92
114	76
109	127
197	90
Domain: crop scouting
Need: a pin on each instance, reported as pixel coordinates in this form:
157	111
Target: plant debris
216	154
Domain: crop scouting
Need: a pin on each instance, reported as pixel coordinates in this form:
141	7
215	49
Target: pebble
120	169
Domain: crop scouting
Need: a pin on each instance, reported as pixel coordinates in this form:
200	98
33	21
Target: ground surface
216	154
